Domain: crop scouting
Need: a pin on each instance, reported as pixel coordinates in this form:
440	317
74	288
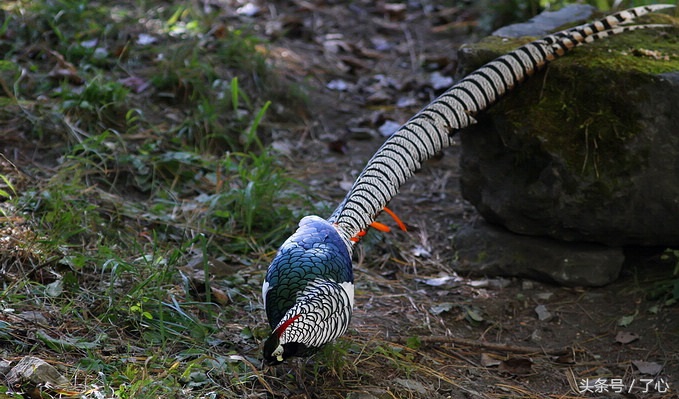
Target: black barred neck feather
320	315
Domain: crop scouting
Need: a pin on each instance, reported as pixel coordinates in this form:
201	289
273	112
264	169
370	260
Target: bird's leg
381	226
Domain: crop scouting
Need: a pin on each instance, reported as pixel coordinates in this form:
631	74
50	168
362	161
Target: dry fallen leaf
655	54
388	128
248	10
440	82
440	308
650	368
543	313
516	366
395	11
64	70
421	252
338	85
487	360
625	337
144	39
135	83
438	281
565	359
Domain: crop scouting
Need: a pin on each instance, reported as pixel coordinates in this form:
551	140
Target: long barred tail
432	129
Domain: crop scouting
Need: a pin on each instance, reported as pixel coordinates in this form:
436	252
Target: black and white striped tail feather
431	129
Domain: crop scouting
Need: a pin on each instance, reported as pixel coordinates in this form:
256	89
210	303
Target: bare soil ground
419	330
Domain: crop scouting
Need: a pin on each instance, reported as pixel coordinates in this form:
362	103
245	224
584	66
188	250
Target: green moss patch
582	108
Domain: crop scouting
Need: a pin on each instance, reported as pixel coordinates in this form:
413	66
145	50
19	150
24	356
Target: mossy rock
587	149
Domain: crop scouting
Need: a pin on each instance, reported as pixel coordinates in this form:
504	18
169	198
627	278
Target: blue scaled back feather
308	290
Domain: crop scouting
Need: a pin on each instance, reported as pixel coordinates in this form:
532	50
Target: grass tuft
144	183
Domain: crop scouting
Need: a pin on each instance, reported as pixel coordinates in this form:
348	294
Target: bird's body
308	289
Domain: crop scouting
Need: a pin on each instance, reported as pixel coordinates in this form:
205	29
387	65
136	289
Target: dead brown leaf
516	366
625	337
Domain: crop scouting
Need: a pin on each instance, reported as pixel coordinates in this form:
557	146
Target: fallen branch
487	345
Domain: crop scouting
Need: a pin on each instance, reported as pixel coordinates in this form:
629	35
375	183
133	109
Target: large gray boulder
484	249
548	21
581	160
586	151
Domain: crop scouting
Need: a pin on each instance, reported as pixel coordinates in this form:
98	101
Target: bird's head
274	353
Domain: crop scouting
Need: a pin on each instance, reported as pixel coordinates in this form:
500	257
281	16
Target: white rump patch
265	289
349	289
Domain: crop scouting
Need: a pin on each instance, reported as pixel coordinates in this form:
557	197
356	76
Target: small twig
487	345
6	89
411	49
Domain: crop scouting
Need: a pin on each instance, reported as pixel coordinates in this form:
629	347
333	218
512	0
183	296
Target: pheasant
308	290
